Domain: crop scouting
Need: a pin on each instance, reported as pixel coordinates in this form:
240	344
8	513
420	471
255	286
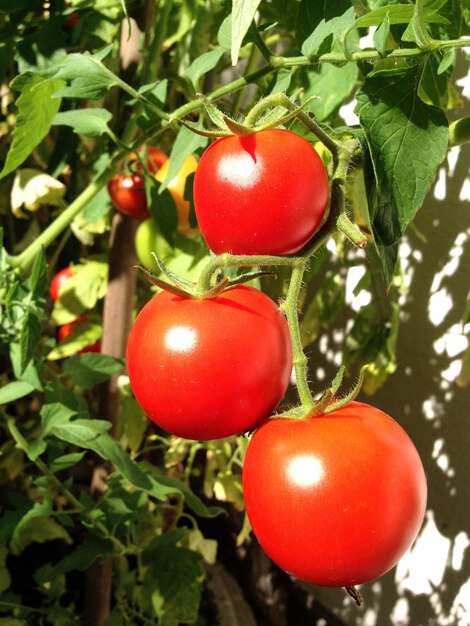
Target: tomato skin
334	500
58	281
127	191
264	193
208	369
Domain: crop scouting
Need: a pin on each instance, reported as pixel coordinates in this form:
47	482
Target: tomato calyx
328	401
266	114
184	288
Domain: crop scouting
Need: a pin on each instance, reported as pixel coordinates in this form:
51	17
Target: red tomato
65	330
59	279
265	193
127	191
207	369
334	500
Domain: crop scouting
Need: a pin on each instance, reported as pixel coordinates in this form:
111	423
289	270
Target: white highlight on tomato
305	471
180	339
240	170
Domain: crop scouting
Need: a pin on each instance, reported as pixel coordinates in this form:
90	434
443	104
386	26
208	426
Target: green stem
299	360
364	55
250	67
75	502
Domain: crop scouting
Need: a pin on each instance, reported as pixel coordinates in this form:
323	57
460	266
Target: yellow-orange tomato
176	188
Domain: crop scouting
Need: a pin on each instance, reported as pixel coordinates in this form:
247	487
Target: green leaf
53	413
14	391
173	583
36	109
311	14
28	374
37	526
29	338
88	122
86	76
186	144
447	61
326	32
89	434
89	370
79	560
397	14
163	209
407	141
81	292
320	81
243	13
381	35
65	461
203	64
38	280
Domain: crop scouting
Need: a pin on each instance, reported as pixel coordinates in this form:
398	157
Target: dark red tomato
127	191
65	330
58	281
334	500
265	193
207	369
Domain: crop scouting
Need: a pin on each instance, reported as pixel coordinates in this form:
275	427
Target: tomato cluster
333	499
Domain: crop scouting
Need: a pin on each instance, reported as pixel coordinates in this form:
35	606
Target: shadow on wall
431	585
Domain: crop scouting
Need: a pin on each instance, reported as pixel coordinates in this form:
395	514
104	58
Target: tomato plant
265	193
58	281
127	191
337	499
206	369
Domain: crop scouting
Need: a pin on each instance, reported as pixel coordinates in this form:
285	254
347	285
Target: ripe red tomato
127	191
334	500
264	193
207	369
65	330
59	279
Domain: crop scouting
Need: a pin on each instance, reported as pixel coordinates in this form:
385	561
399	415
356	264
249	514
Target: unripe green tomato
148	240
187	258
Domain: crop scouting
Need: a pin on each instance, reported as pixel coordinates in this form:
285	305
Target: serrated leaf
310	14
14	391
89	370
79	560
173	582
327	32
85	76
243	13
82	335
407	141
36	110
30	373
29	338
203	64
88	122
